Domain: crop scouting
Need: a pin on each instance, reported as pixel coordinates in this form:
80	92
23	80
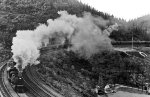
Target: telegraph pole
132	40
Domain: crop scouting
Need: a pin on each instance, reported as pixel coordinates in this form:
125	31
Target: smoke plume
85	34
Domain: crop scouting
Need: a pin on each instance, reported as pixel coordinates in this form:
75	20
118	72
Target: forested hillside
27	14
72	75
138	28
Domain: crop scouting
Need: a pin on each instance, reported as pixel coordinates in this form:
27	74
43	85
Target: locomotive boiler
15	77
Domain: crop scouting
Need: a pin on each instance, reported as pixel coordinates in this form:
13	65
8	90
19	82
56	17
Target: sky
126	9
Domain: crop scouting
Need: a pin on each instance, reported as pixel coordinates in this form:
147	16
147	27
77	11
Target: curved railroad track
7	91
31	87
34	86
48	89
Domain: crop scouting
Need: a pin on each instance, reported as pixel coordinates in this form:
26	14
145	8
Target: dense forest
26	15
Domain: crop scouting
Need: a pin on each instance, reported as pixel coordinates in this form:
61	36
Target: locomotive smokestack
19	64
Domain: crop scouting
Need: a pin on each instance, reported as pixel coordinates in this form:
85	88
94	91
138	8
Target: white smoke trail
84	33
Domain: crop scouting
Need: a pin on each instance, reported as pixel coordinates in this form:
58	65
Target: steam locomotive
15	77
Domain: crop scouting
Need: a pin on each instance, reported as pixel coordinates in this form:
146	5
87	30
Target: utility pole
132	40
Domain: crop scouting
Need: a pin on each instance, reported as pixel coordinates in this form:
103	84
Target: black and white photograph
74	48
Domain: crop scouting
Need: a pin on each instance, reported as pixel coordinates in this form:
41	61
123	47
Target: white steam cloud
84	34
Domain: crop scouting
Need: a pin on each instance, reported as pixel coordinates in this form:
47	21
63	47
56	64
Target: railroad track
8	91
32	84
31	87
34	89
40	83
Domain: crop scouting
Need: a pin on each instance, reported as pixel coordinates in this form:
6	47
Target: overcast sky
126	9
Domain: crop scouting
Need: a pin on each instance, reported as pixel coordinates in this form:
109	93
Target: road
127	94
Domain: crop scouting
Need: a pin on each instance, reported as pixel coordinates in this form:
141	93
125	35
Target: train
15	77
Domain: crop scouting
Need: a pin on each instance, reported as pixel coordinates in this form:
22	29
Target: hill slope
27	14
